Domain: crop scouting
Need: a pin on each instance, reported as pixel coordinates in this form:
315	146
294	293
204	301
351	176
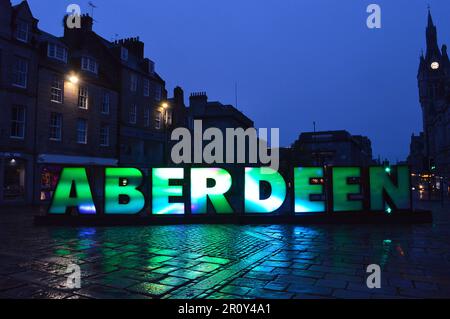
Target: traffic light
432	165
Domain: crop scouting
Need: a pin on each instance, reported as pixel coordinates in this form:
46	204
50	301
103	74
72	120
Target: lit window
104	135
133	82
147	117
20	72
83	97
18	122
82	131
57	90
158	120
89	64
57	52
22	31
146	87
106	101
133	114
124	54
55	132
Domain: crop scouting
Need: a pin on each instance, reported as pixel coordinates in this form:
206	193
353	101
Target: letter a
374	279
374	19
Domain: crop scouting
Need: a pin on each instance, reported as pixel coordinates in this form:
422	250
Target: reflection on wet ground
224	261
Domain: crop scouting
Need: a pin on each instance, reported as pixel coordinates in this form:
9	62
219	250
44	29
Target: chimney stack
178	96
198	101
134	45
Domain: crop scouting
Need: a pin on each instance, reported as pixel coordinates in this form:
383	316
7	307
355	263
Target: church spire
432	44
430	18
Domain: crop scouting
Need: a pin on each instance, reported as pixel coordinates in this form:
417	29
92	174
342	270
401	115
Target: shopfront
16	175
49	168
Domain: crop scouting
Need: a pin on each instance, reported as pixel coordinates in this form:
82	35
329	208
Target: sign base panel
406	217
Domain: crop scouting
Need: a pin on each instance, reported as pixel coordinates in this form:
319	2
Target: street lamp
73	79
165	107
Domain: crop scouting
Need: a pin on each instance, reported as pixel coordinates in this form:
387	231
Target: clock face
435	65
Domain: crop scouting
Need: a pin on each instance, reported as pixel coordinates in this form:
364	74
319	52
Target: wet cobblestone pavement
224	261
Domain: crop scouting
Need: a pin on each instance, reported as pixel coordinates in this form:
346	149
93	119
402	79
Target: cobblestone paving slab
224	261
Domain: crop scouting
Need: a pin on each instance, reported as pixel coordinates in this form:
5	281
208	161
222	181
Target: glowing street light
74	79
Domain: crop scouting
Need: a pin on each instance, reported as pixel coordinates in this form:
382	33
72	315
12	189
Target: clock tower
434	92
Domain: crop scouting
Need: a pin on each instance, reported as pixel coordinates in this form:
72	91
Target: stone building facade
78	103
332	148
75	100
18	92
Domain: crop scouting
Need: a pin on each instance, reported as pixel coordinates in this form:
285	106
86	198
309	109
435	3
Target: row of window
132	117
145	87
82	131
57	96
20	73
18	124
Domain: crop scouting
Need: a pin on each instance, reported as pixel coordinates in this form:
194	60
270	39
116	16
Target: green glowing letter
381	183
123	182
253	178
161	191
303	189
200	190
82	198
342	189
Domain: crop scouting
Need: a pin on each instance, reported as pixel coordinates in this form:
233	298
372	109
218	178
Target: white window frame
158	119
57	90
104	132
146	87
83	97
20	72
57	52
55	126
133	114
106	103
22	34
21	123
147	117
82	130
89	64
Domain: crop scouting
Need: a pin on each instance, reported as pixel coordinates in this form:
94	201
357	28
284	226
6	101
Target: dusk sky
295	61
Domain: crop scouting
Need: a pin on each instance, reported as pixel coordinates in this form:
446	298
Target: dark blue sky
295	61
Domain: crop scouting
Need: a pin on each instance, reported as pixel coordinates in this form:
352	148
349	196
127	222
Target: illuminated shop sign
216	191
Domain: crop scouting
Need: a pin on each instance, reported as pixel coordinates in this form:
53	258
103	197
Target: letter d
253	178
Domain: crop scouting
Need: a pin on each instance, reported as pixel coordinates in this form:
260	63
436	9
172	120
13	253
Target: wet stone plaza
224	261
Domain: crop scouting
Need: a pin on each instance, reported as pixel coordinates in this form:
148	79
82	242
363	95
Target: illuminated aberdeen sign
251	192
